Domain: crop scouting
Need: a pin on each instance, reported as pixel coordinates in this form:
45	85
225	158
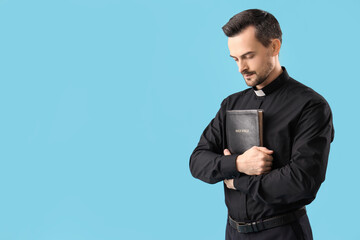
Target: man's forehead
243	42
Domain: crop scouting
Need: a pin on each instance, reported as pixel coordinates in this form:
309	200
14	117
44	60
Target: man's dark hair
266	25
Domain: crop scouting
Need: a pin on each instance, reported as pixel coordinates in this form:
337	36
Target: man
267	188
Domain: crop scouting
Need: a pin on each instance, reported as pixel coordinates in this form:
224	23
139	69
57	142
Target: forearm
211	167
297	181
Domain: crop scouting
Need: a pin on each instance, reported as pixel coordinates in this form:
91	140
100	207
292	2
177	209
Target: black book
244	129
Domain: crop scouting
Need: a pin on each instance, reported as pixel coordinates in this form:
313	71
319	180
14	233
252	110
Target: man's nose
242	66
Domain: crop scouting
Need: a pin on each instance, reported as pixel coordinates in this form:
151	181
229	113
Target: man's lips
247	75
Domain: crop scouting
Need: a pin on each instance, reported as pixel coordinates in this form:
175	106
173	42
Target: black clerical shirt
297	127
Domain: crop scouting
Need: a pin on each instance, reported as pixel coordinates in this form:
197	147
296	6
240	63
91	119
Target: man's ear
275	46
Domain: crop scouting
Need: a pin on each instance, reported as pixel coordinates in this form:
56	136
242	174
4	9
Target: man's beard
259	77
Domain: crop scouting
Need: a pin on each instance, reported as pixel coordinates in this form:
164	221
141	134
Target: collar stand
273	86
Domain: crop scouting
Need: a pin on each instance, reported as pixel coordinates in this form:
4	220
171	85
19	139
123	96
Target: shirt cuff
241	183
228	166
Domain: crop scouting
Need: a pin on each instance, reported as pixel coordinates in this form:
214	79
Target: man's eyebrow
247	53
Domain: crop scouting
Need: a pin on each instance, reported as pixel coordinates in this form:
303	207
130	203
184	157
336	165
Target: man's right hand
255	161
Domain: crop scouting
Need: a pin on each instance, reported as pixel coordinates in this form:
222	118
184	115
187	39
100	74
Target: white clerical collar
259	93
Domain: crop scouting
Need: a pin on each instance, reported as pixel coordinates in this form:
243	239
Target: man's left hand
229	182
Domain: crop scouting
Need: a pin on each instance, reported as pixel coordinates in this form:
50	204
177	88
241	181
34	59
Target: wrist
239	163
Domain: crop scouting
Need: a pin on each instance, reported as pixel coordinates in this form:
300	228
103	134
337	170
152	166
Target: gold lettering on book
242	130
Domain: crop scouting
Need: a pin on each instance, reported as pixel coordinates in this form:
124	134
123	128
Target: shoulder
314	110
308	96
236	97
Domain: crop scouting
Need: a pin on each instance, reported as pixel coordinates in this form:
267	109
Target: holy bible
244	129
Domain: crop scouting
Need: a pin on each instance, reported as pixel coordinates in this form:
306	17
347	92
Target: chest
281	116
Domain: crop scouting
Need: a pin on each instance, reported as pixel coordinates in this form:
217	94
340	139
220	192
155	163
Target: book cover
244	129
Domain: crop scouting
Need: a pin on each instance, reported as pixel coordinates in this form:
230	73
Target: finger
265	150
268	164
268	158
266	170
227	152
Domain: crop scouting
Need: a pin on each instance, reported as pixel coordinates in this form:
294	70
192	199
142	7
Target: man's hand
229	183
255	161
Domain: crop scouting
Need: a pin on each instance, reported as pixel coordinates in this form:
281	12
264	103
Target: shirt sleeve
301	178
207	161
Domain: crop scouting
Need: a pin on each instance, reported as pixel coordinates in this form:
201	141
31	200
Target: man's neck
272	76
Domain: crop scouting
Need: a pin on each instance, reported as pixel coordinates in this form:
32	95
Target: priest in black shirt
267	188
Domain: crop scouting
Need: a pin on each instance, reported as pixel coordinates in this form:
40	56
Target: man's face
255	61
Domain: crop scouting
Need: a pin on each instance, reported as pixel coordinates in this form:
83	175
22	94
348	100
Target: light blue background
103	101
